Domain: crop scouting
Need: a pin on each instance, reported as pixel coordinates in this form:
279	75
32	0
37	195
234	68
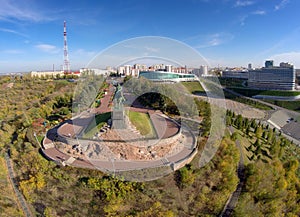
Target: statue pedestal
118	119
118	113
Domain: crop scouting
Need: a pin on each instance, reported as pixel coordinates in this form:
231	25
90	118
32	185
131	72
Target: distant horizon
229	33
74	70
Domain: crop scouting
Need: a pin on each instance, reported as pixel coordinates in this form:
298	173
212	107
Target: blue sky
225	32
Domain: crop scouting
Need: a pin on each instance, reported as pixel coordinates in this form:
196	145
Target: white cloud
259	12
20	10
240	3
242	19
281	5
292	57
13	32
48	48
210	40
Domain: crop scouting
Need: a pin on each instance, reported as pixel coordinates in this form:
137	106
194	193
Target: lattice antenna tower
66	66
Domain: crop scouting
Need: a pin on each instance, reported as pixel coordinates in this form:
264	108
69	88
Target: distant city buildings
282	77
270	77
203	70
45	74
240	73
88	71
249	66
128	70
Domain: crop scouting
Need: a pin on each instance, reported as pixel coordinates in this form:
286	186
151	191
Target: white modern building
168	68
162	76
127	70
45	74
204	70
282	77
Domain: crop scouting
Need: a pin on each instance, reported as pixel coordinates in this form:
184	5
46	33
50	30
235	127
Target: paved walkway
234	197
67	131
20	196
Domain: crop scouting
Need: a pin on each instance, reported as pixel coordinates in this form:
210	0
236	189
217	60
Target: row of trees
272	177
161	96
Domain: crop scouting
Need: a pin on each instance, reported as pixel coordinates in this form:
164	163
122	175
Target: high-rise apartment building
271	77
269	63
203	70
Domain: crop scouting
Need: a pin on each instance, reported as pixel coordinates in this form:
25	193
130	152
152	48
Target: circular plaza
117	139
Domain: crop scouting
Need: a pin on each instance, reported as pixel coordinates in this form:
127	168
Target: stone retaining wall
181	163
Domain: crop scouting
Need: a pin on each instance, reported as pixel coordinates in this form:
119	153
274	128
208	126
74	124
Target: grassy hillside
193	87
253	92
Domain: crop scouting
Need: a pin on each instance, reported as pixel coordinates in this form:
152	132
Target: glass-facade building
271	77
162	76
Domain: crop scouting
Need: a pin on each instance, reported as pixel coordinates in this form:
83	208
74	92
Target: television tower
66	66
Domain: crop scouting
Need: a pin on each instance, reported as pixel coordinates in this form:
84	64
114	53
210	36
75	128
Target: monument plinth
118	113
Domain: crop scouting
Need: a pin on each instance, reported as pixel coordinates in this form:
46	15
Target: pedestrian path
234	197
20	196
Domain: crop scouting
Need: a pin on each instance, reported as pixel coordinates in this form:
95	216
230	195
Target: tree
239	122
184	177
228	120
156	210
258	131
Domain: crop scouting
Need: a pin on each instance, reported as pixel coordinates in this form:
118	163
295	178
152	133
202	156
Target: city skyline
227	32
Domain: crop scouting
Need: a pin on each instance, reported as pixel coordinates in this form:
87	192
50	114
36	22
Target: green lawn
291	105
253	92
193	87
250	102
142	123
96	125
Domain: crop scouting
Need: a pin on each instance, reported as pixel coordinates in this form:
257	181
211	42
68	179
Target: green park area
142	123
250	102
268	158
95	125
193	87
272	172
252	92
291	105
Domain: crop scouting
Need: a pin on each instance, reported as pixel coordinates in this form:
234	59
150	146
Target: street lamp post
34	134
113	163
